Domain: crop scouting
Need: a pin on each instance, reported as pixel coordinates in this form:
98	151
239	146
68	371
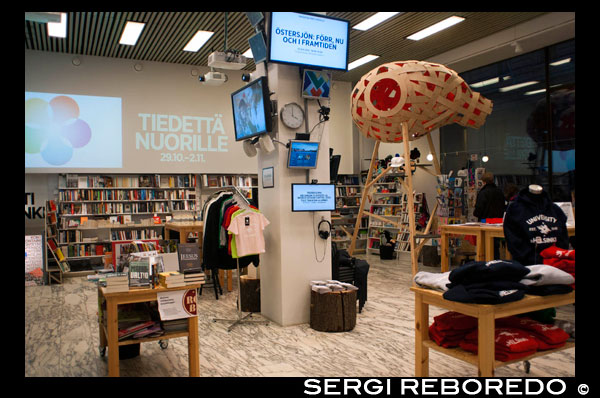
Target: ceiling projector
213	78
226	60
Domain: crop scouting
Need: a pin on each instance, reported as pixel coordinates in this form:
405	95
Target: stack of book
194	278
117	282
171	279
136	328
175	325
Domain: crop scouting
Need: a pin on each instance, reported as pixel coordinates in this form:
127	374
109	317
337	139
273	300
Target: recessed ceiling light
562	61
535	92
446	23
374	19
131	33
487	82
362	61
58	29
516	86
198	40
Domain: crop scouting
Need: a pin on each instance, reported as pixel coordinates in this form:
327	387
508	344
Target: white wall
160	89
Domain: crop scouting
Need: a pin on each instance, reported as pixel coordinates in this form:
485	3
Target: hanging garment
533	223
248	229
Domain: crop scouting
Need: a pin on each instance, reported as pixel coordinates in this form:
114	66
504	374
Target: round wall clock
292	115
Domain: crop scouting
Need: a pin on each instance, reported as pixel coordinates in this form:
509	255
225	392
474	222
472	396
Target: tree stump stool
333	311
249	294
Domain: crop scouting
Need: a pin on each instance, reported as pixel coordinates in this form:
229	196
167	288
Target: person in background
510	192
490	203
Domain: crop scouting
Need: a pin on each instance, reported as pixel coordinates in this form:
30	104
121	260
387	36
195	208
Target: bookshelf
247	184
343	220
93	211
388	200
56	263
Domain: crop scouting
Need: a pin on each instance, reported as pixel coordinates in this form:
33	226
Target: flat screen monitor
303	154
251	109
258	47
334	167
316	84
313	197
310	40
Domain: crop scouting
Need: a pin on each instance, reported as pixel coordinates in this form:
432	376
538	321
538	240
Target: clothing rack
242	202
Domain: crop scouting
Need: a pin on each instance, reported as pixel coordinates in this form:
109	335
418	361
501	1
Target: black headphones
324	234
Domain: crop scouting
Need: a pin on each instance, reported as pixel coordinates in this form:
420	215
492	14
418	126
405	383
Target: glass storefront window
516	137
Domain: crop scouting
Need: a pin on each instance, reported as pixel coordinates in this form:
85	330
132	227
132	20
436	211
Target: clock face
292	115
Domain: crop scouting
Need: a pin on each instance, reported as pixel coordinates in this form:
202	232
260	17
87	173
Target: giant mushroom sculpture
403	101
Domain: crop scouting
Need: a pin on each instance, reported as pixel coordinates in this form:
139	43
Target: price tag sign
177	304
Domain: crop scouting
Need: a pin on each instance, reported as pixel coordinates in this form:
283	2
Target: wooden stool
333	311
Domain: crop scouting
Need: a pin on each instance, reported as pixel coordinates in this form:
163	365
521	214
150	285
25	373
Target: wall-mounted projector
226	60
213	78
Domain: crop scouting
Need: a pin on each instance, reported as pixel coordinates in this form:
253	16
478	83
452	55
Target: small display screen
313	197
303	155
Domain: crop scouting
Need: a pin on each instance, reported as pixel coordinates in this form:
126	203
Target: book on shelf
131	330
189	258
175	325
171	279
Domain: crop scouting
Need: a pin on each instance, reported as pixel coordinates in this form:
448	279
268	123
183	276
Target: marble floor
61	338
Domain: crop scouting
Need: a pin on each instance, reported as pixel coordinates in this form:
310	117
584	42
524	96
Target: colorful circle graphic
54	129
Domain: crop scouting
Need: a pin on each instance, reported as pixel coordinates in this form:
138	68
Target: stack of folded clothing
547	336
510	343
450	328
561	259
544	279
492	282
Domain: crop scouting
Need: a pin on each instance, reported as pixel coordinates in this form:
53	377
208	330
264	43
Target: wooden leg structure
407	183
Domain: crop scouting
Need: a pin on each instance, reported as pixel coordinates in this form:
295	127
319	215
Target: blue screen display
313	197
303	154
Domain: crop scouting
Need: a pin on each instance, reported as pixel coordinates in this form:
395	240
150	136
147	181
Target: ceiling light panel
446	23
374	20
516	86
58	29
131	33
362	61
198	40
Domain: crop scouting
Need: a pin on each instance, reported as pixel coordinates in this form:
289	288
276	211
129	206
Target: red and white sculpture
423	95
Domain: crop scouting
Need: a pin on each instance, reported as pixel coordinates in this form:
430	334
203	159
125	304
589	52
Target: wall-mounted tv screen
311	40
316	84
251	109
303	154
313	197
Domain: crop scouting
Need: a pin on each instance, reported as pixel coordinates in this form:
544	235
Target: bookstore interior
198	199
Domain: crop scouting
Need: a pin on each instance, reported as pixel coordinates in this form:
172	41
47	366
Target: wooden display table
485	234
109	333
486	315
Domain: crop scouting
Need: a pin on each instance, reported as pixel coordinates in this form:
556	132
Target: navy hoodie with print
531	224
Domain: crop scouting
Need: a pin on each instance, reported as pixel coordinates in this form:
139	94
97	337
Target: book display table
486	315
109	332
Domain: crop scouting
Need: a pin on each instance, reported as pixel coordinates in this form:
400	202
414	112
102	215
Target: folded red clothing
450	333
562	264
542	345
444	340
550	334
508	339
499	354
554	251
455	321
